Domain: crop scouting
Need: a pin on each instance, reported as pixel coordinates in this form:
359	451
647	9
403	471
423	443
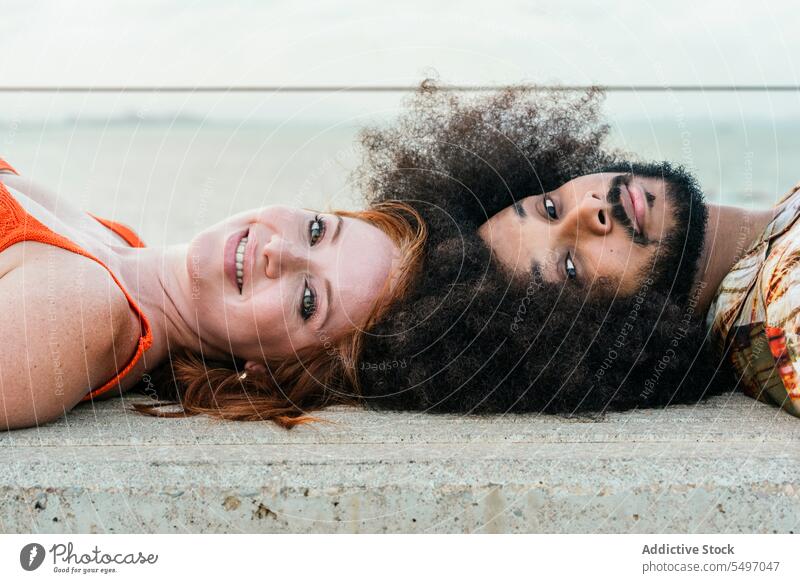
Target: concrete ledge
729	465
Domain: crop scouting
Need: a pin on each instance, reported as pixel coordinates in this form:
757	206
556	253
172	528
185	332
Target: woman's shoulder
70	278
60	209
59	206
65	329
69	292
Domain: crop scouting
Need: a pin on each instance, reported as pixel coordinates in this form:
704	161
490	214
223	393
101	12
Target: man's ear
253	366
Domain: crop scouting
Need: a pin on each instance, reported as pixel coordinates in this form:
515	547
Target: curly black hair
469	339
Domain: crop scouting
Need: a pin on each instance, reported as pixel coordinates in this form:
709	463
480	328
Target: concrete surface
728	465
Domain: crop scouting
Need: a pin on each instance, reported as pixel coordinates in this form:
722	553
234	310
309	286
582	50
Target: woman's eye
570	266
550	208
316	229
308	305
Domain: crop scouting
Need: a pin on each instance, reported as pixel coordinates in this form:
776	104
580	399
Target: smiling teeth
240	262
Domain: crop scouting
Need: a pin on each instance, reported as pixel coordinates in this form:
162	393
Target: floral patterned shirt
756	311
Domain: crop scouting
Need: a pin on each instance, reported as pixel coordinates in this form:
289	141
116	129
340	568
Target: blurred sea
169	178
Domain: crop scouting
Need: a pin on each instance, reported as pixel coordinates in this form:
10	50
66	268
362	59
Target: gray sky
99	42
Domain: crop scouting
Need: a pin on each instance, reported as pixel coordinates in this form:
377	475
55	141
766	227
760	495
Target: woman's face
306	278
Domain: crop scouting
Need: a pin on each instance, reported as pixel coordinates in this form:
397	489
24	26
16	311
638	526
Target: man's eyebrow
519	209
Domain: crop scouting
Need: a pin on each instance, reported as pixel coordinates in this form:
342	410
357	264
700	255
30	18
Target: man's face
607	227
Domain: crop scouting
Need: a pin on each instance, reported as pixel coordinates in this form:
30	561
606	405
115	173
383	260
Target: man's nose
589	216
282	256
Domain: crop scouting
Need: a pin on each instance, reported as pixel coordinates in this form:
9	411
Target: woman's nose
282	255
590	216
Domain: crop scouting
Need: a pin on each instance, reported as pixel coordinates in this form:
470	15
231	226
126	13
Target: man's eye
308	305
550	208
570	266
316	229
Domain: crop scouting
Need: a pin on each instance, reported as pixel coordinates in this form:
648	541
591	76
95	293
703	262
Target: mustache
614	198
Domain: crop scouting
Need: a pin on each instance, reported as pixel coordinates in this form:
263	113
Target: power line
391	88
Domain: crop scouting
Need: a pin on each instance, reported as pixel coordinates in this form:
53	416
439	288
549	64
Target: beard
674	267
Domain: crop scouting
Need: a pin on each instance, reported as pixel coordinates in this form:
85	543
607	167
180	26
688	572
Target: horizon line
388	88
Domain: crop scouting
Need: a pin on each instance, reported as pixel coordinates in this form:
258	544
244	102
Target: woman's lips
249	254
230	257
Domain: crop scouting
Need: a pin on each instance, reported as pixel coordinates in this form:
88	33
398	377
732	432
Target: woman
263	312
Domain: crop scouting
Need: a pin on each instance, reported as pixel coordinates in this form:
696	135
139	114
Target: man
616	224
559	277
745	274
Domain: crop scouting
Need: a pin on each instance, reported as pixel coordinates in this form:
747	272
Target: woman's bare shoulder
61	331
72	281
60	206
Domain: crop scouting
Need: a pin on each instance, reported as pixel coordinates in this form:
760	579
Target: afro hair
467	338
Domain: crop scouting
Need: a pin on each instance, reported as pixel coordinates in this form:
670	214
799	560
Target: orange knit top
17	224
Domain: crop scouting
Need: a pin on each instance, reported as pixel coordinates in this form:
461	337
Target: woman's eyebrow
328	309
337	229
520	210
327	283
